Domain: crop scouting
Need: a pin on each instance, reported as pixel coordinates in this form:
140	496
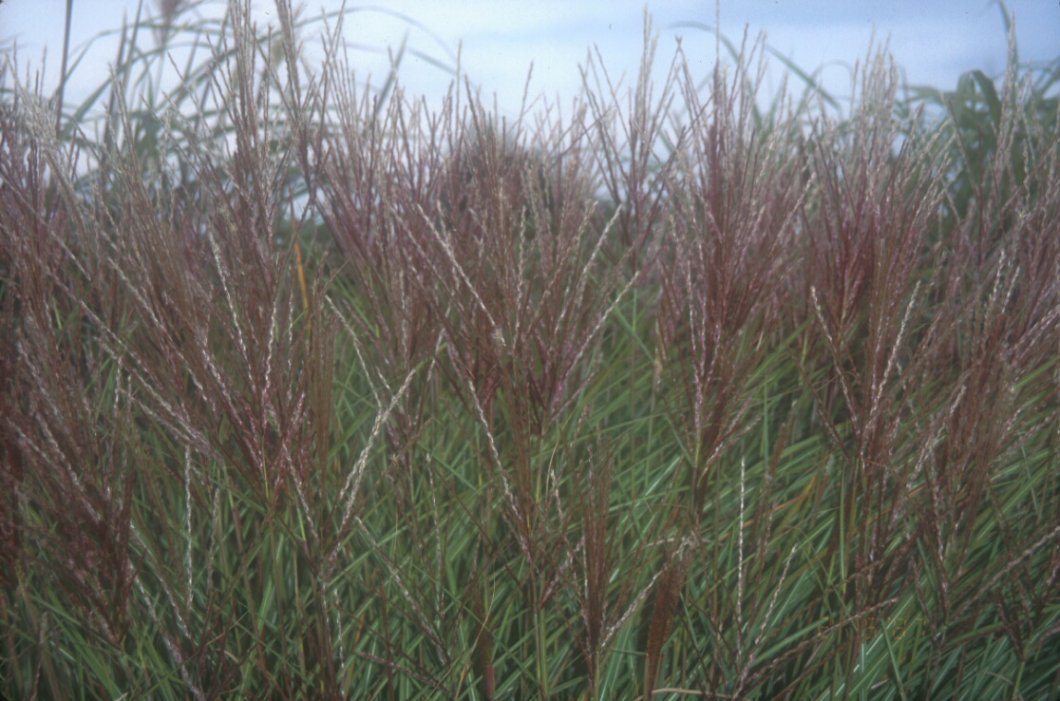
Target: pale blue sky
932	41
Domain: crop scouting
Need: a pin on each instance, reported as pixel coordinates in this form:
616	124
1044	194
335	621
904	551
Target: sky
933	41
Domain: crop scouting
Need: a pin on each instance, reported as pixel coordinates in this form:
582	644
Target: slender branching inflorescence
310	390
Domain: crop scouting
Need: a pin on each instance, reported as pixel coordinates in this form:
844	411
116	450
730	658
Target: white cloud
933	41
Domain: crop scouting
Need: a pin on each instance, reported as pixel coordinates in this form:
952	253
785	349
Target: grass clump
308	391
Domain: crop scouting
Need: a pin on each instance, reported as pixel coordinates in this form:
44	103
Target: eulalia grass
308	391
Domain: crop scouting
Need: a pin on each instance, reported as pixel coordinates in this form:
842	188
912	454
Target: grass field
307	391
